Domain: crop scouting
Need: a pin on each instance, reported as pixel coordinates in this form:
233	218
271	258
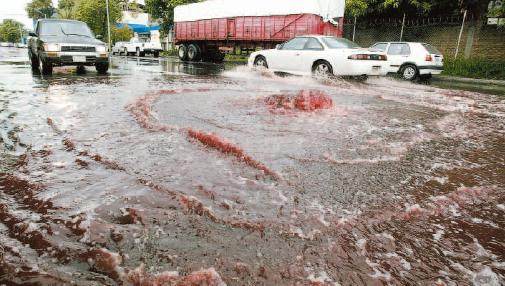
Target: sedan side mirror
32	34
99	37
278	47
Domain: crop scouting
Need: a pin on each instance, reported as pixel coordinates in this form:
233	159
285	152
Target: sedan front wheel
260	61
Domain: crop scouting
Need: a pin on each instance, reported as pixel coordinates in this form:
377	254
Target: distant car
118	48
4	44
139	48
411	60
66	43
321	56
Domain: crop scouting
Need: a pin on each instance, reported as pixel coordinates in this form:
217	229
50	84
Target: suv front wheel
34	61
102	68
45	67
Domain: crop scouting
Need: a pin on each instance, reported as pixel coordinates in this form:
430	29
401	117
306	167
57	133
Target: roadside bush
169	53
475	68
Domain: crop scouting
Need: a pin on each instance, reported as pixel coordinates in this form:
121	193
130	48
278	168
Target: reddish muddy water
168	174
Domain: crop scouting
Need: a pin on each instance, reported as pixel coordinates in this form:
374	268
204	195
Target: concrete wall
476	41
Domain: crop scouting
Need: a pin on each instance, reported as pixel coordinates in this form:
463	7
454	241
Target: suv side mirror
99	37
278	47
32	34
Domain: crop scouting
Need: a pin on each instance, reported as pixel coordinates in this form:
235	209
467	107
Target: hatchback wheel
322	69
409	72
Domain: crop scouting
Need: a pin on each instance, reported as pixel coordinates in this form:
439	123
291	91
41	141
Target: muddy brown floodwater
170	174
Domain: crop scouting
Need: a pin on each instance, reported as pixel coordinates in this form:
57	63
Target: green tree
164	10
94	13
66	8
11	31
395	8
121	34
38	9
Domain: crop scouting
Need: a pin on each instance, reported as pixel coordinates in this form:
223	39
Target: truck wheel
156	54
183	52
45	68
260	61
102	68
194	53
322	69
409	72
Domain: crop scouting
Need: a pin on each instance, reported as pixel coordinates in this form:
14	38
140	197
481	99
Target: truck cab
140	47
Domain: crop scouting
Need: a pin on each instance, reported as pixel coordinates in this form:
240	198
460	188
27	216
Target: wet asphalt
202	174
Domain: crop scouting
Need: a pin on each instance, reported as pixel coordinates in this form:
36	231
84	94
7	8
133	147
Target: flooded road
162	173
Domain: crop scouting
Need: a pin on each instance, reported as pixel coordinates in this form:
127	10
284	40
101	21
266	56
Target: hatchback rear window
431	49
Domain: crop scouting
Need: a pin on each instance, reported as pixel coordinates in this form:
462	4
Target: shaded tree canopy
38	9
66	8
94	13
11	31
396	8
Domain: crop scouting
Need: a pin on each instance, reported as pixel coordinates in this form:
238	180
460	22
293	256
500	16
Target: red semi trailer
207	30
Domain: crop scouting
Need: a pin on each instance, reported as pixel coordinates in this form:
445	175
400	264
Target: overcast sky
15	9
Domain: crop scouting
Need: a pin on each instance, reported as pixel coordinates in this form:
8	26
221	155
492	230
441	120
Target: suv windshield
65	28
339	43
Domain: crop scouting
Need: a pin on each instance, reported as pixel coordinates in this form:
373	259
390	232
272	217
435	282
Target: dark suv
66	43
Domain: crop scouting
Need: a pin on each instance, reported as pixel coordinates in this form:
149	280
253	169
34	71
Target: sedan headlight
51	47
101	49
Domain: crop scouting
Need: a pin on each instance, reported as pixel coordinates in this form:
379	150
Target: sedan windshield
65	28
339	43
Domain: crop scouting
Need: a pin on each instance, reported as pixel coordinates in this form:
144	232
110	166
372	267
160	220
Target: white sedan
321	56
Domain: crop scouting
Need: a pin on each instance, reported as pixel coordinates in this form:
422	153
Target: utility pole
403	26
460	34
354	28
108	24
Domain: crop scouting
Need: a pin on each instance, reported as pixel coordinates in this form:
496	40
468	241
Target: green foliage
475	68
356	8
169	53
37	9
94	13
164	10
121	34
396	8
66	8
11	31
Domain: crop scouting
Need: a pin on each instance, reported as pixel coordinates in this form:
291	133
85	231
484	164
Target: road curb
469	80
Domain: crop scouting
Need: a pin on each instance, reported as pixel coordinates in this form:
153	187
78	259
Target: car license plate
376	68
79	59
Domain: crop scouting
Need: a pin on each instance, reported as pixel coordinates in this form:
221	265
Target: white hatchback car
321	56
411	60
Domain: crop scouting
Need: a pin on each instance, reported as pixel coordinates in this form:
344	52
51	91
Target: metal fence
454	35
